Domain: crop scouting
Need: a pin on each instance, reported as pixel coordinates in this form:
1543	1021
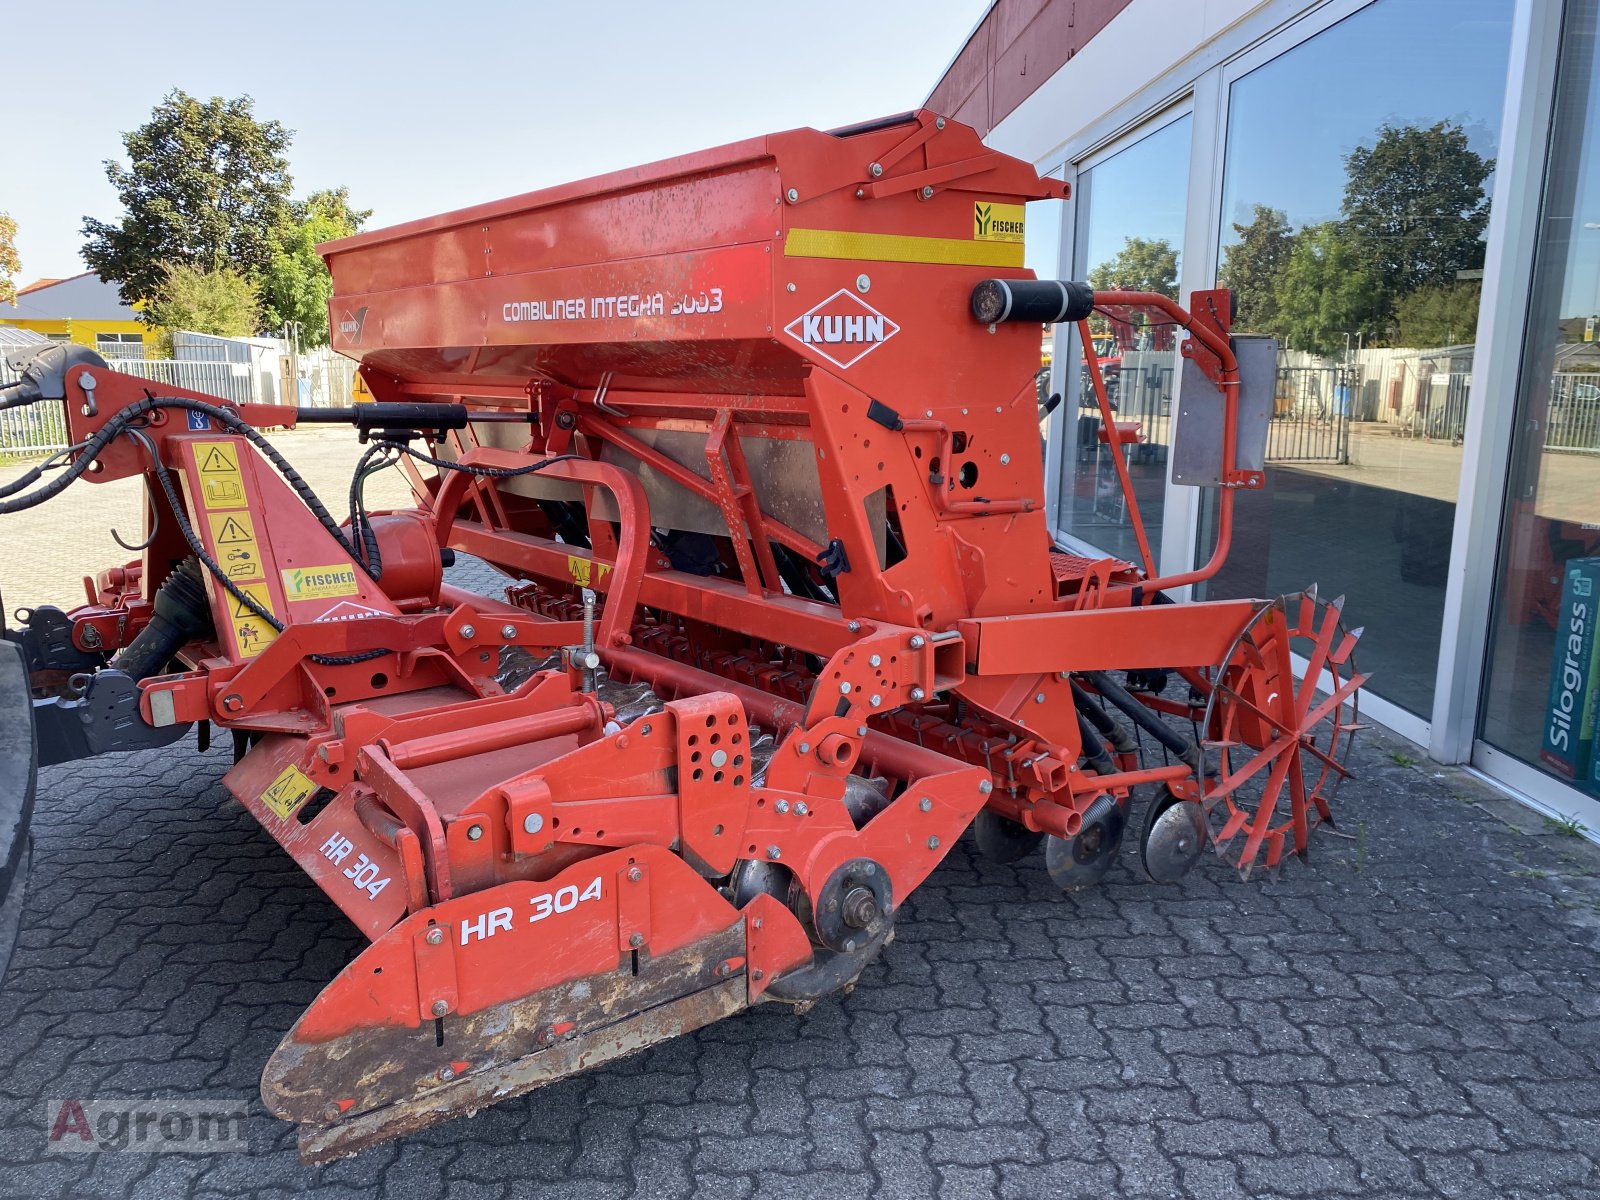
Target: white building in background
1450	488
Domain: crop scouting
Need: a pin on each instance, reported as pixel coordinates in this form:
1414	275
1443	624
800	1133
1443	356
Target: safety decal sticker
285	794
996	222
220	482
319	583
251	633
586	572
233	538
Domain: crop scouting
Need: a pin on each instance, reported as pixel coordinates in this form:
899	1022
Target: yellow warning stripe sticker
900	247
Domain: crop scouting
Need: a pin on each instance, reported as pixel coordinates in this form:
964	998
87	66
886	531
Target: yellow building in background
81	308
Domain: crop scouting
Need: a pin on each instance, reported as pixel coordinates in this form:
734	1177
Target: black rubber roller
1046	301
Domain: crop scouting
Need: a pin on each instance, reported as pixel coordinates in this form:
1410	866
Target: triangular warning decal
232	531
217	459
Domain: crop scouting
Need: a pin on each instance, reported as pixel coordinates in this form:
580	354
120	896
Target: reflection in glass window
1539	700
1129	235
1353	232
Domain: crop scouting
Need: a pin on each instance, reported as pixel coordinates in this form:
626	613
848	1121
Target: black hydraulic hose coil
182	613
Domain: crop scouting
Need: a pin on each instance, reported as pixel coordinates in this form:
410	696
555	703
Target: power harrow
755	434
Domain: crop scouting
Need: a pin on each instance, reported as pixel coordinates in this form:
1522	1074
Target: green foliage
1565	826
207	186
1413	216
296	285
1415	207
10	263
222	302
1254	265
1324	291
1444	314
1142	265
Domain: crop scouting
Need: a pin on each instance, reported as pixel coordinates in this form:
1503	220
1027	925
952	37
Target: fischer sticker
843	329
285	794
996	222
319	583
220	482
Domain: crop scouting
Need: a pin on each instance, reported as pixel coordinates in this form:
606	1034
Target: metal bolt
634	874
644	730
1005	460
233	702
532	823
860	908
872	868
927	193
636	940
1038	697
854	627
508	632
850	946
440	1007
719	757
925	804
446	1074
774	853
435	936
876	660
863	283
800	808
877	701
844	689
792	195
789	287
90	638
1063	676
917	641
782	806
933	843
467	631
918	694
860	192
876	170
474	832
861	731
986	786
804	747
758	974
938	122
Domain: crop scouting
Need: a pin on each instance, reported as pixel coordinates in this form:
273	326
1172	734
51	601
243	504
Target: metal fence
1573	422
1311	414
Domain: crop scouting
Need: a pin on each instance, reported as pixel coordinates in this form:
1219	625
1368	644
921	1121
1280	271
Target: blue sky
422	107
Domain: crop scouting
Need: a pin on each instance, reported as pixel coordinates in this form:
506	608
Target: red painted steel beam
1146	638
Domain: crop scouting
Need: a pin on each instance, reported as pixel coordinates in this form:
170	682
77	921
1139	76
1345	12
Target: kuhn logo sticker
843	329
352	324
349	611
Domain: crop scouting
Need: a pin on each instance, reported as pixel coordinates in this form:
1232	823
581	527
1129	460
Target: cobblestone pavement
1414	1014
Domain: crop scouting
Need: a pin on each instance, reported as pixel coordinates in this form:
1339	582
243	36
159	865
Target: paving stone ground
1415	1013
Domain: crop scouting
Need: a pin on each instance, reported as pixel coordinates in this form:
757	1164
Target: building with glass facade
1406	194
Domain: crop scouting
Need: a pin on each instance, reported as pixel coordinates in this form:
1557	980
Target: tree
1415	209
207	186
10	263
296	284
1253	268
1324	292
1438	315
1142	265
223	302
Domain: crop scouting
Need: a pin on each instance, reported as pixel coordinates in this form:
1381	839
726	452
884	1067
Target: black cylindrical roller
1046	301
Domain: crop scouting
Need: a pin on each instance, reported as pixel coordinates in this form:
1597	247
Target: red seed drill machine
755	434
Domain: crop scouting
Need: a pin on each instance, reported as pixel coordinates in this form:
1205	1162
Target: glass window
1356	191
1539	700
1129	235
